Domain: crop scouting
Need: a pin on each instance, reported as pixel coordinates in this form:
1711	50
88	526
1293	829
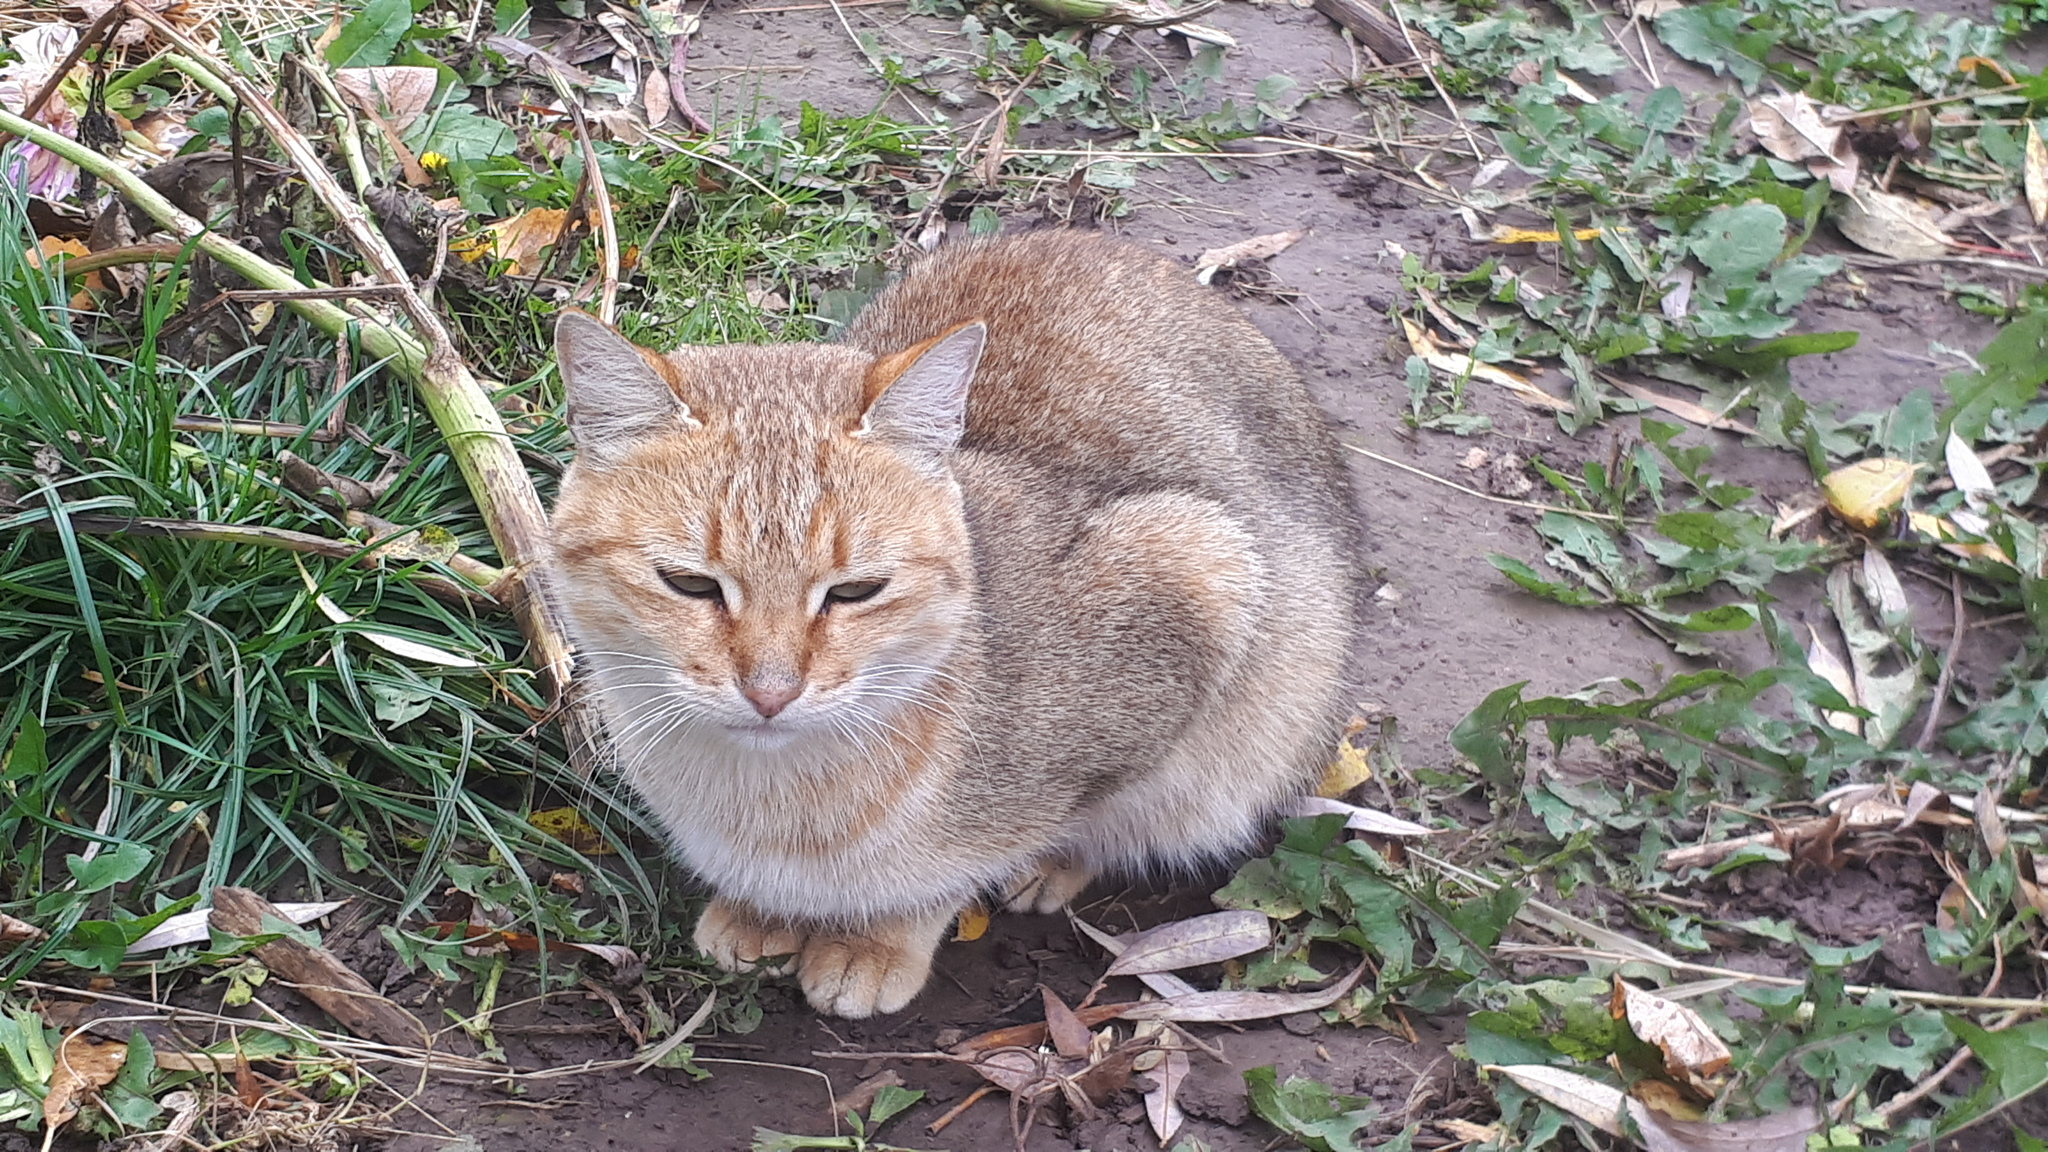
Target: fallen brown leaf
85	1064
1217	1007
1162	1100
1891	224
1459	366
397	94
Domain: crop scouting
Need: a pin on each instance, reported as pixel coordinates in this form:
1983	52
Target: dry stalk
460	407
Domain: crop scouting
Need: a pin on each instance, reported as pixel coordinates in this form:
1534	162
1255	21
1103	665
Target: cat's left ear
917	398
618	397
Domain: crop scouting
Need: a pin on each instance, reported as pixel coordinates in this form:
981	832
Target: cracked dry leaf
1069	1036
1229	256
1861	493
1191	943
1693	1055
1823	662
85	1064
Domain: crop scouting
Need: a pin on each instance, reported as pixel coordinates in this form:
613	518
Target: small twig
814	7
71	266
974	1097
1948	664
678	91
353	292
600	201
1487	496
1914	105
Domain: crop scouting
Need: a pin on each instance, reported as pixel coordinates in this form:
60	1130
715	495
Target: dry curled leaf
191	927
1683	409
1582	1096
1861	493
1779	1132
1352	767
1693	1055
1244	251
1190	943
571	827
13	931
1967	469
1950	533
518	240
396	645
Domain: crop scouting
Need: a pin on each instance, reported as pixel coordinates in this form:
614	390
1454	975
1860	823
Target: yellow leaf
1861	493
1351	768
1459	366
1946	532
569	826
973	923
1502	234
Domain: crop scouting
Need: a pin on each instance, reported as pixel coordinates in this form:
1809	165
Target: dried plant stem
1948	664
600	200
459	405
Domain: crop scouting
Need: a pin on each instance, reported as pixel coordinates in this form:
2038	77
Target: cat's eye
852	593
694	586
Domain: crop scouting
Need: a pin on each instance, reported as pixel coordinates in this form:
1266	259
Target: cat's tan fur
1113	629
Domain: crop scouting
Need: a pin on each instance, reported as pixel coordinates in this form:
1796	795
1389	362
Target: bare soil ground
1444	629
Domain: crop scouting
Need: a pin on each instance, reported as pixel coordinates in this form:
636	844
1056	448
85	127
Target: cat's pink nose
771	699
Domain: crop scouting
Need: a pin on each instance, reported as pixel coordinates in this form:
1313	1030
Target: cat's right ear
617	397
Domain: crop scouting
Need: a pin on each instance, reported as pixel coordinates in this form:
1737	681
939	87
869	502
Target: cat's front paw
737	939
1046	888
880	969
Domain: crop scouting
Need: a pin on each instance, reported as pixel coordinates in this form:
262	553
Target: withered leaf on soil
13	931
518	240
1162	1100
1034	1034
1229	256
1164	983
571	827
1191	943
1351	767
1693	1055
1890	224
1950	534
1069	1036
1217	1007
85	1064
1683	409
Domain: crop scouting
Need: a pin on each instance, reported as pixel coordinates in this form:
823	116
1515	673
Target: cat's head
761	543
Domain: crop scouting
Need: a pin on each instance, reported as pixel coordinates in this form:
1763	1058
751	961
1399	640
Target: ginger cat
1043	570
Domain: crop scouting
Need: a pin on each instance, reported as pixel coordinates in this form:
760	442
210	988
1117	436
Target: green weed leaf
368	39
107	869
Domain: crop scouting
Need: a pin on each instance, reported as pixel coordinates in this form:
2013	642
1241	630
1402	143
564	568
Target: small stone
1302	1023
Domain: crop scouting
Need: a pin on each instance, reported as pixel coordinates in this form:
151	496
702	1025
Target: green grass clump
247	738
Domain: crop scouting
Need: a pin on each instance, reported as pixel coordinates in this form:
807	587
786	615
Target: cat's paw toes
1048	889
857	976
738	941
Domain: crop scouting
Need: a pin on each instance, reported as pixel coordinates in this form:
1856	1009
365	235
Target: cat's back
1109	362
